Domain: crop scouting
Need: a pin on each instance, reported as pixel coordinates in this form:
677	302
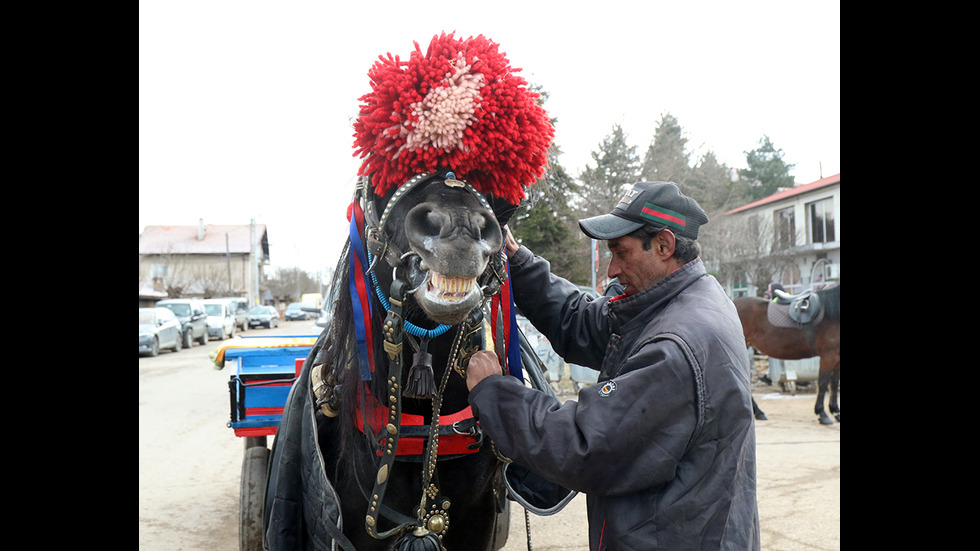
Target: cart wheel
252	499
502	528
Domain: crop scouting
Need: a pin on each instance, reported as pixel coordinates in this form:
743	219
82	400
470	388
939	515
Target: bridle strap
392	332
376	236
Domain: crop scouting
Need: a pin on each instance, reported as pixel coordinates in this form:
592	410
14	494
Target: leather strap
393	346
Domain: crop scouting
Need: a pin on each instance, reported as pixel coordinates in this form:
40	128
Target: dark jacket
302	508
664	444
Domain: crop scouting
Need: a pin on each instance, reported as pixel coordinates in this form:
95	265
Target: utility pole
228	260
253	291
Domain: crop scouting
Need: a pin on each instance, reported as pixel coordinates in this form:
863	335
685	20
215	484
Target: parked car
238	307
263	316
192	318
553	363
323	320
159	328
221	322
295	311
325	315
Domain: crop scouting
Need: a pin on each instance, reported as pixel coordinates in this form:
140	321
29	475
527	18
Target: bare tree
738	248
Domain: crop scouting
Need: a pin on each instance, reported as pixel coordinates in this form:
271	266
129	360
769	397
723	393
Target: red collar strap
459	433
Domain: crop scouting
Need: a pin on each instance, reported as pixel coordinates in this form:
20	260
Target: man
664	444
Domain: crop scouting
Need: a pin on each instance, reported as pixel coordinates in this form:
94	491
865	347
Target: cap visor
608	226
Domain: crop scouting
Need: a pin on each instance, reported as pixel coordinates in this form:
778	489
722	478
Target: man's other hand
483	364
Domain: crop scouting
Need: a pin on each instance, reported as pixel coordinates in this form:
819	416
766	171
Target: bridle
432	518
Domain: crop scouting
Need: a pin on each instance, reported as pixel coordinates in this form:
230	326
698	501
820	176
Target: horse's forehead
437	194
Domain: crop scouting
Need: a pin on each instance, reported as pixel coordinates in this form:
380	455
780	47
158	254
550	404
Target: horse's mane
339	352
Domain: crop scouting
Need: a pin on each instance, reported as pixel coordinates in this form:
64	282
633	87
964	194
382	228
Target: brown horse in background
821	338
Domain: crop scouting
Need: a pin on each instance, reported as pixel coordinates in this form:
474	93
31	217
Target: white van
221	321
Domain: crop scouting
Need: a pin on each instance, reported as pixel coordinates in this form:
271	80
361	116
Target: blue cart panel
262	372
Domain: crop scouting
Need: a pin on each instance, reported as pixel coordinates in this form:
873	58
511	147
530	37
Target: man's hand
483	364
510	244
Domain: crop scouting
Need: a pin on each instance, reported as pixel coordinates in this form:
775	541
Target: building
202	261
800	227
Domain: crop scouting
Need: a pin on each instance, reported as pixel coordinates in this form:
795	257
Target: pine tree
547	224
666	159
766	172
617	166
546	221
710	183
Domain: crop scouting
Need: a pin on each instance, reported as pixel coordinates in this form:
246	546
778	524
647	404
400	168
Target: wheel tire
255	474
502	527
188	339
204	337
155	349
178	344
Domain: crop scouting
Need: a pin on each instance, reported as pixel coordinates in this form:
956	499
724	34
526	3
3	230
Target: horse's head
446	235
454	236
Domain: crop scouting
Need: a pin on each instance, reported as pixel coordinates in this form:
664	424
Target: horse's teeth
451	287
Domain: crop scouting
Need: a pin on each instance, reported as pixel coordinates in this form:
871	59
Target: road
190	466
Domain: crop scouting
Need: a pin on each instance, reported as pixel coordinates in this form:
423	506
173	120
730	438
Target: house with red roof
800	225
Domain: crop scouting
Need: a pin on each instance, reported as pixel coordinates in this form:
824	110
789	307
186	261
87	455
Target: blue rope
409	326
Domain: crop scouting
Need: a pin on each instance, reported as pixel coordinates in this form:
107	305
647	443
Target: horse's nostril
437	222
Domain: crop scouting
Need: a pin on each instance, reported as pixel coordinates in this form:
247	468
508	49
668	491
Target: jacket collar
636	310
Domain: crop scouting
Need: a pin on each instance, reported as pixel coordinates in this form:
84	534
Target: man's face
636	268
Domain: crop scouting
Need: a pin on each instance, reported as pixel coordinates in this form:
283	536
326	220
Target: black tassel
421	381
419	540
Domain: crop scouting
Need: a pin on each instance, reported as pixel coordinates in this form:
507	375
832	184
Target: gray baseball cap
655	204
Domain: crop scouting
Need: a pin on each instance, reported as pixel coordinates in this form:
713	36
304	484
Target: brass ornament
436	523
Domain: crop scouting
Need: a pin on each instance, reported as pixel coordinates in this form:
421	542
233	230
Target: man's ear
664	243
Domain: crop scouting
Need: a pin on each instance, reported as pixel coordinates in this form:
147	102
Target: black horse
377	447
398	445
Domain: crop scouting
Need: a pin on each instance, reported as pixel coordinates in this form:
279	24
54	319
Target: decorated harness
406	437
458	104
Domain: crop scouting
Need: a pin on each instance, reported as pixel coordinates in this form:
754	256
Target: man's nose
614	269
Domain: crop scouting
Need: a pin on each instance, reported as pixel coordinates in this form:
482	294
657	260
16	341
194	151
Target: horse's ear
502	209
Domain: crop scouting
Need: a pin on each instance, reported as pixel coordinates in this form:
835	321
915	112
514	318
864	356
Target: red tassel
504	145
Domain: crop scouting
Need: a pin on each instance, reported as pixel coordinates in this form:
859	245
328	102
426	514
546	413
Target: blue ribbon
358	267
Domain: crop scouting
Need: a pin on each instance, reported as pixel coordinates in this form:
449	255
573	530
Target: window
784	229
820	221
740	285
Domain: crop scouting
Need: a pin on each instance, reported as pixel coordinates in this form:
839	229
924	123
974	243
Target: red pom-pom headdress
458	106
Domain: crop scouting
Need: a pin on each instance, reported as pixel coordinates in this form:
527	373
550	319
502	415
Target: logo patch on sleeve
608	388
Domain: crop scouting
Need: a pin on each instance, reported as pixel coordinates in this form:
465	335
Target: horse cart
262	372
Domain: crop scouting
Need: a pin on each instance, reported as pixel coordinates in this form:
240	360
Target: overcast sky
245	107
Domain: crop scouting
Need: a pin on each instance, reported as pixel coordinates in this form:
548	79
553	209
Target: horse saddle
788	310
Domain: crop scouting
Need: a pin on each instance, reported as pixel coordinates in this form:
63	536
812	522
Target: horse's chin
448	300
